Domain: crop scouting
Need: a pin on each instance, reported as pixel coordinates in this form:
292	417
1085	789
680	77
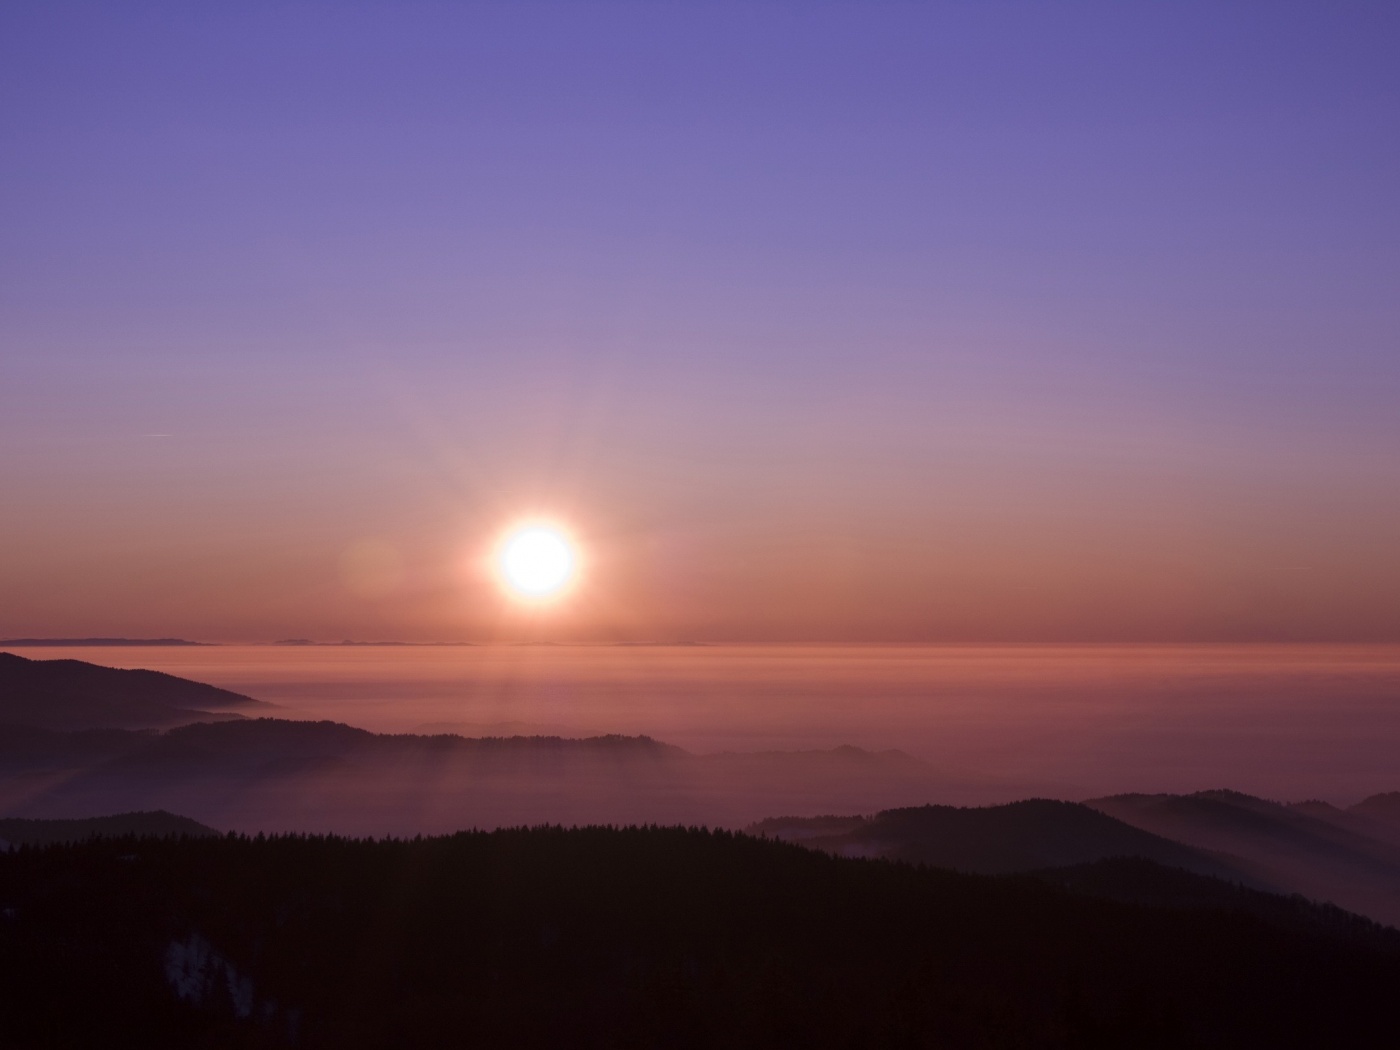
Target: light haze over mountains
65	753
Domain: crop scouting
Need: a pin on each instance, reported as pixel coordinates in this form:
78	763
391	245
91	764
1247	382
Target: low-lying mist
995	723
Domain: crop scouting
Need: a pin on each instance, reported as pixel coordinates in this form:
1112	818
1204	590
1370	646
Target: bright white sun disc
537	561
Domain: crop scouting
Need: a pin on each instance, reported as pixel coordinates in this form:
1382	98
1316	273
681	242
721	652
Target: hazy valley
274	775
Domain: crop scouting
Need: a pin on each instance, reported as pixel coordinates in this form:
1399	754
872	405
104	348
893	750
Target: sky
868	322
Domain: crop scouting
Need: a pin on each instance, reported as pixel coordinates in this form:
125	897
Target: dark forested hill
1325	856
639	938
1020	836
72	695
15	831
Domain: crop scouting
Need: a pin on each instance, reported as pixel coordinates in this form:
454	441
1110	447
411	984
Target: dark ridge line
94	642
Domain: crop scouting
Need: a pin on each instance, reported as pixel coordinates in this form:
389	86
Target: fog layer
1001	722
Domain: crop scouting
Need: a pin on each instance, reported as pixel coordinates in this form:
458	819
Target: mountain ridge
77	643
76	695
283	775
1022	836
1320	852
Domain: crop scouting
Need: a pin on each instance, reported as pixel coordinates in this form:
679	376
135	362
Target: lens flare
536	561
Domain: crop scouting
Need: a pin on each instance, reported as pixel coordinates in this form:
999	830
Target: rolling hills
100	741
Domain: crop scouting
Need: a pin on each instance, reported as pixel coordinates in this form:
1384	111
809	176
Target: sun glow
536	561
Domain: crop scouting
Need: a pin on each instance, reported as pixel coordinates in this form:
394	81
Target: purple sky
901	321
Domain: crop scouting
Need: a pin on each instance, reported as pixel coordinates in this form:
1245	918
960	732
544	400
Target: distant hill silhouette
1377	816
1303	847
1018	837
15	831
659	937
1224	834
513	727
27	750
1381	807
73	694
279	775
94	642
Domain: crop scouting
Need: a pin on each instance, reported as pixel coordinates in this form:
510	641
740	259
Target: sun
536	561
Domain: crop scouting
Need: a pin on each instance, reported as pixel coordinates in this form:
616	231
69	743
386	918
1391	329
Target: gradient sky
1054	321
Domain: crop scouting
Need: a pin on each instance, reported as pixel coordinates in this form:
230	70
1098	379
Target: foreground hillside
639	937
